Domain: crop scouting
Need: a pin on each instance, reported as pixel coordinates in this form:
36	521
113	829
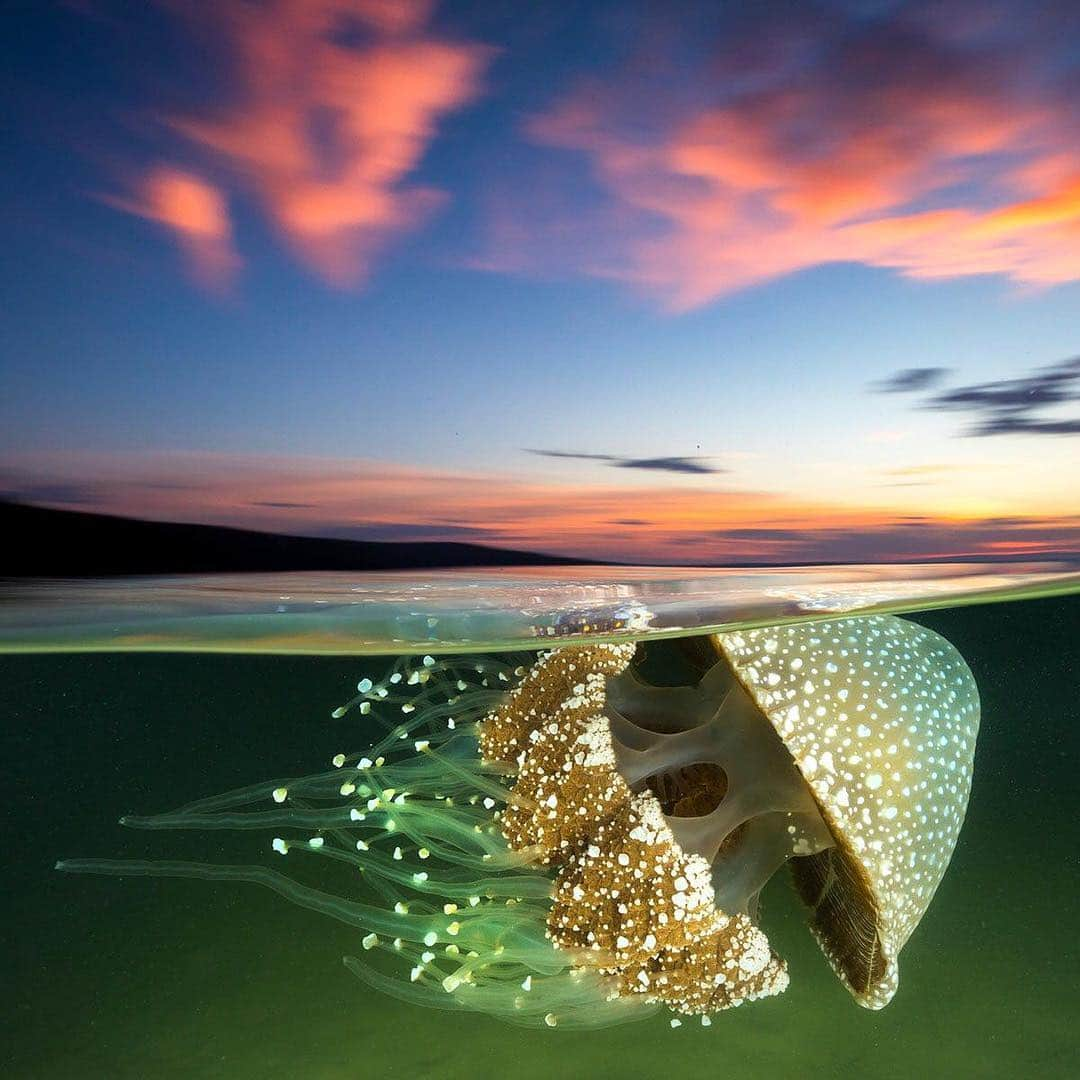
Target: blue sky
383	252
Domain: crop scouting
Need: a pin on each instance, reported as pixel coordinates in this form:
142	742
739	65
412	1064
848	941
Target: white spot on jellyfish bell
896	694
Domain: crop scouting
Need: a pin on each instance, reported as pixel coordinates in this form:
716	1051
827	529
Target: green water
166	978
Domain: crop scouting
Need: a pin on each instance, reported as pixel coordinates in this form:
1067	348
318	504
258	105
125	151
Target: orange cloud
195	212
895	149
336	102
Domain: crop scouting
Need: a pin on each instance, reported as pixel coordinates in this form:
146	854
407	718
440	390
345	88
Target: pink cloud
196	214
335	103
899	148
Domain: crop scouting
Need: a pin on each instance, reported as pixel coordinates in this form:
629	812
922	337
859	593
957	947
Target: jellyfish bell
565	843
880	716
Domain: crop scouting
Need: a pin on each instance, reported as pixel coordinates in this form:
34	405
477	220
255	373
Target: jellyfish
573	843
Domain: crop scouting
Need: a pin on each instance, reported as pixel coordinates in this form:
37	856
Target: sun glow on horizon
688	523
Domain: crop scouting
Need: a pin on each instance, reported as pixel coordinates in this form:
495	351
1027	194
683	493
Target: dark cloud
763	533
910	537
670	464
629	521
571	454
1020	425
66	494
662	464
405	531
285	505
1046	386
1003	406
910	380
1014	406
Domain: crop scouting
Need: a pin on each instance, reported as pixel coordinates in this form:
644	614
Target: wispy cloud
693	465
195	212
909	139
937	469
334	104
271	504
908	380
1017	406
1005	406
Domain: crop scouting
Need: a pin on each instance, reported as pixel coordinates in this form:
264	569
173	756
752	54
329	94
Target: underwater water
145	977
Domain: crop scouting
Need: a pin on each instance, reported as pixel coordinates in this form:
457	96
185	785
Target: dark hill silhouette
41	542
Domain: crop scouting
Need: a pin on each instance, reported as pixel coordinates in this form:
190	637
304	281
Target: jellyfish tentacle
355	914
419	830
566	998
440	673
252	819
438	882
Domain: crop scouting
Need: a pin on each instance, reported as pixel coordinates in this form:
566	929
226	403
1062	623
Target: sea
144	978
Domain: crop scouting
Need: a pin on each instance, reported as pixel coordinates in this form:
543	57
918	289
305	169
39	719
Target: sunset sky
656	282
